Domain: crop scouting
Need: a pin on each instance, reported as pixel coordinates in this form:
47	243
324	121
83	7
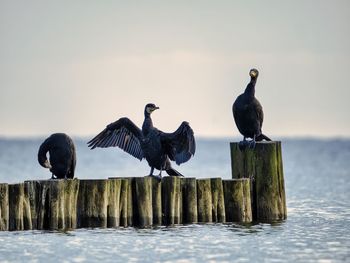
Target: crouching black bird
62	155
157	147
248	114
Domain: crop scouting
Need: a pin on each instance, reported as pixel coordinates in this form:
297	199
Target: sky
76	66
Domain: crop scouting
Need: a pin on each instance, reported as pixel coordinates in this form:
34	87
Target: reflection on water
317	228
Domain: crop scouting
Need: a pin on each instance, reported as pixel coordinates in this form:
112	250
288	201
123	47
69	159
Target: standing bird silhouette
248	114
62	155
157	147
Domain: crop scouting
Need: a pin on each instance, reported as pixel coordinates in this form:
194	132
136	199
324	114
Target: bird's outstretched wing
122	133
179	145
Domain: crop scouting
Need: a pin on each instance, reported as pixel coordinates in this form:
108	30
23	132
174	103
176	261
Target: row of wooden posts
256	193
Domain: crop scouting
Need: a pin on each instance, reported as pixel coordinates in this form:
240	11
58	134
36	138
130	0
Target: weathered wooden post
157	201
143	214
171	200
92	203
125	207
146	201
19	208
55	207
71	190
32	190
204	199
263	165
113	204
42	207
189	200
4	207
218	202
56	203
237	200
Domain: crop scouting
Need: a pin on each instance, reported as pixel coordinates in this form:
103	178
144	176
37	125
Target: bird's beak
153	109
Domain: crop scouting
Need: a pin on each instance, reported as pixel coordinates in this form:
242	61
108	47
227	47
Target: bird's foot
243	145
252	144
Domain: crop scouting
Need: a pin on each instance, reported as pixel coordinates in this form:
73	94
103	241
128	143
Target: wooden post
32	190
218	202
92	203
143	216
143	202
57	205
171	200
204	200
125	207
156	201
19	210
4	207
43	204
263	165
113	204
189	200
71	190
237	200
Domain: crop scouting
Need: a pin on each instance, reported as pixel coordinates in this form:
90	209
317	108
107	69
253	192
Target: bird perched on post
157	147
62	156
248	114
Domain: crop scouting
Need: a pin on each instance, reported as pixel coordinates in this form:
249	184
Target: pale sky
75	66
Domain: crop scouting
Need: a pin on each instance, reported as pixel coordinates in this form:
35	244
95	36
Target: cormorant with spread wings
157	147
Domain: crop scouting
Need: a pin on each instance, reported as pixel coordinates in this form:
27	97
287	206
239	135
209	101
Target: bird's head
254	73
150	107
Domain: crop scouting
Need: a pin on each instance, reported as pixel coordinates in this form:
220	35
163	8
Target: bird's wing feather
234	111
259	112
122	133
179	145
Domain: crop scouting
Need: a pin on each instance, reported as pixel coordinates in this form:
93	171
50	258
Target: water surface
317	229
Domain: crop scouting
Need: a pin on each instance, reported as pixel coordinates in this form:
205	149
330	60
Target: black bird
62	155
248	113
157	147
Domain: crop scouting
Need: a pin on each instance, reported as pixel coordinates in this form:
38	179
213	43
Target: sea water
317	174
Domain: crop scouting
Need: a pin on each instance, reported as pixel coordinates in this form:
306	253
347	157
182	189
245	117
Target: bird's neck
147	123
250	90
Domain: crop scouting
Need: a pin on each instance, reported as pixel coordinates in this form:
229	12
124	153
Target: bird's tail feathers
173	172
262	137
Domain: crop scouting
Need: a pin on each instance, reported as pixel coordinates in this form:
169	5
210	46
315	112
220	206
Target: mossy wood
125	203
218	202
137	201
204	199
237	200
171	200
92	203
157	201
142	189
4	207
113	206
263	165
189	201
